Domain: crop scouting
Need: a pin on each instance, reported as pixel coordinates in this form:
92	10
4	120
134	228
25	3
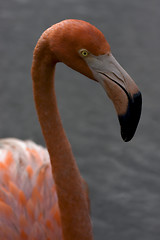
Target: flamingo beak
121	89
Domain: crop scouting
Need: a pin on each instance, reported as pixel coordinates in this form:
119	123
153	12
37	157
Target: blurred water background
124	178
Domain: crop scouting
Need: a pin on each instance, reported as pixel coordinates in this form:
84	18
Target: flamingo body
28	200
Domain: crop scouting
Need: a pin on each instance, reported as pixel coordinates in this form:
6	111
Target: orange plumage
28	200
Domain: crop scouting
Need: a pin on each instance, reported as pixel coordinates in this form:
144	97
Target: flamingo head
84	48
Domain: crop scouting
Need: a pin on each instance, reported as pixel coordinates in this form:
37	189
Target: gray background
124	178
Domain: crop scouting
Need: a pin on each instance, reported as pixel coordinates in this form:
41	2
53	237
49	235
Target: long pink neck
76	224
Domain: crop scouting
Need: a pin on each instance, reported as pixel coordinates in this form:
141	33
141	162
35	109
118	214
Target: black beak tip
129	121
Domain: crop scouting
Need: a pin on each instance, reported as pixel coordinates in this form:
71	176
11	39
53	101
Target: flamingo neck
73	207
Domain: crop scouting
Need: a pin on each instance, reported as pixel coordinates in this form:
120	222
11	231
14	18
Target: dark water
124	178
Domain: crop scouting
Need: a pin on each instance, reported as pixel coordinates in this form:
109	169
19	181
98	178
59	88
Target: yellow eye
84	53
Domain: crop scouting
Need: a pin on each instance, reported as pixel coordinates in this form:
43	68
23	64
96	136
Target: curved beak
121	89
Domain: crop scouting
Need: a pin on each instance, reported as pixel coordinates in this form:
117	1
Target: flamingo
42	194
